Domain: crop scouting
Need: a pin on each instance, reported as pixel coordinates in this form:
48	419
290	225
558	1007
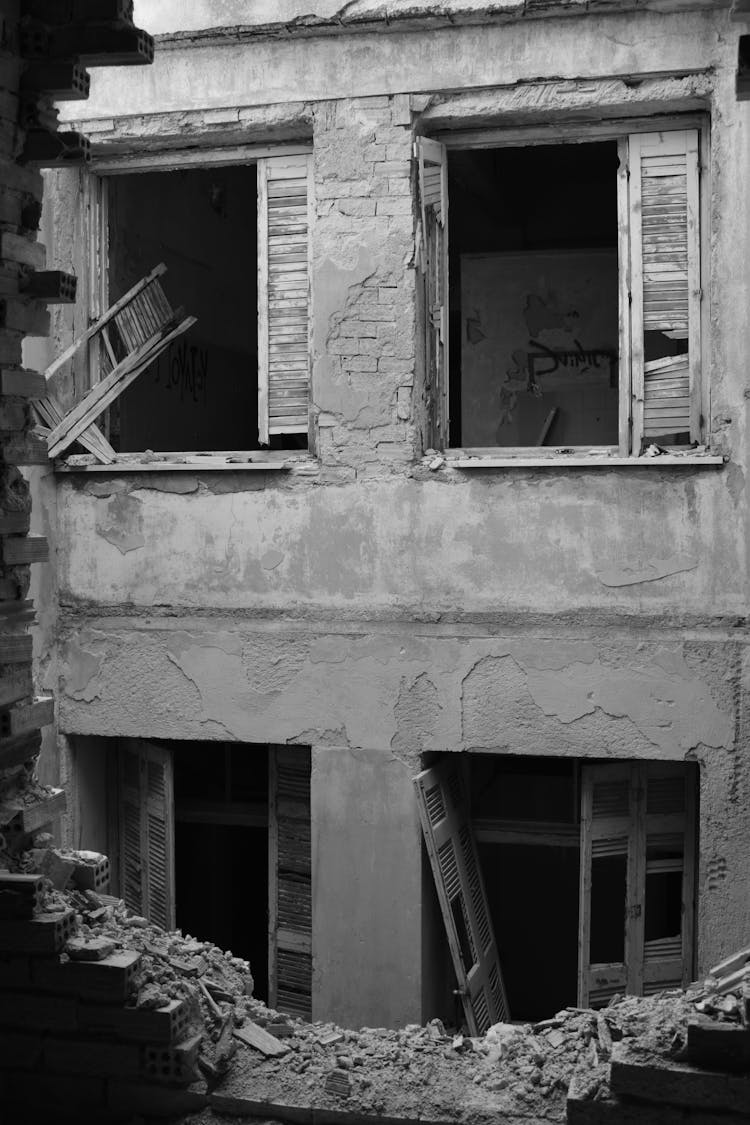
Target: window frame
622	454
94	217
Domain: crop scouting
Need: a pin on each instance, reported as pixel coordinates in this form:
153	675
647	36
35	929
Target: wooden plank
260	1039
20	550
105	319
636	883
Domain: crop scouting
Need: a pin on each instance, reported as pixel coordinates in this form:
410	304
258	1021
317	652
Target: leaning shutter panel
132	833
283	295
666	285
160	904
432	161
290	882
455	866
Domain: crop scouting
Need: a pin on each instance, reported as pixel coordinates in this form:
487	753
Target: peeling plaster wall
376	610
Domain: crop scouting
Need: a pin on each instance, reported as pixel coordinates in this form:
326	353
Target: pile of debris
581	1065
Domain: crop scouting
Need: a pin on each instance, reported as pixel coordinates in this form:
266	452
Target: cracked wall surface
375	609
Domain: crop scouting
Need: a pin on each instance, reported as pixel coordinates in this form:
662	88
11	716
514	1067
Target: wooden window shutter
290	882
669	829
606	841
446	826
637	832
432	163
665	273
284	209
147	831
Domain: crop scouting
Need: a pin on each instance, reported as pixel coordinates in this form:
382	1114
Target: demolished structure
434	513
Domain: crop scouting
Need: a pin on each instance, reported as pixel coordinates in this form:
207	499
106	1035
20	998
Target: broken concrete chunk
254	1036
89	949
338	1083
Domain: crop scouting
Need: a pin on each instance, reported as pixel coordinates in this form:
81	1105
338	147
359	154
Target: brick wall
69	1044
364	234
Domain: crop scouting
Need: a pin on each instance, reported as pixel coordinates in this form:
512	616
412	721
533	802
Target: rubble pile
579	1065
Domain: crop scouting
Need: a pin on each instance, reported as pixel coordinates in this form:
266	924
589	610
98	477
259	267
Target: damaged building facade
447	475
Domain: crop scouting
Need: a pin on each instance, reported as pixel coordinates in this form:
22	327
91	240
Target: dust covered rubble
430	1072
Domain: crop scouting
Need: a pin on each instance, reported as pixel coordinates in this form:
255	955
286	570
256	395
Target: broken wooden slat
101	395
105	319
261	1040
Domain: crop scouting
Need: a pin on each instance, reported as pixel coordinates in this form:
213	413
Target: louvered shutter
666	286
147	831
284	204
131	838
669	828
637	829
432	162
290	898
606	852
453	857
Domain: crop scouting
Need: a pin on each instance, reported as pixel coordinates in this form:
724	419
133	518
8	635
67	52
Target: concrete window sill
591	461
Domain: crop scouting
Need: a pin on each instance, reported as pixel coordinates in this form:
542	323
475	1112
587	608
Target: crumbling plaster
265	71
357	603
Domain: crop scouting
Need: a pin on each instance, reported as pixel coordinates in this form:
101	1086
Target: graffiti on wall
183	369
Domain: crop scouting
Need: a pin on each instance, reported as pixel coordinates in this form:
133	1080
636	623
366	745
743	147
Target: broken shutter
146	808
432	256
455	866
290	897
637	870
283	295
665	287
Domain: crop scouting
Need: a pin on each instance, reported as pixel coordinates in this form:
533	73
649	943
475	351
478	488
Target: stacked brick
68	1034
68	1041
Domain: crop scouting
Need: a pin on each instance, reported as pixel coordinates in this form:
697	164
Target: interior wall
201	393
534	295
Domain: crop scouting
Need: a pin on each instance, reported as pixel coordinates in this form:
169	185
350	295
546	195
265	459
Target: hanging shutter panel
640	815
432	164
669	826
666	284
455	866
284	205
290	898
131	837
159	811
605	837
147	831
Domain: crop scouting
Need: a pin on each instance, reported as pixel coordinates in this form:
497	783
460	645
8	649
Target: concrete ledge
647	1078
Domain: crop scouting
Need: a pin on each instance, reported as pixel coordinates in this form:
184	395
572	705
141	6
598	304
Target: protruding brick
27	716
19	550
108	981
47	933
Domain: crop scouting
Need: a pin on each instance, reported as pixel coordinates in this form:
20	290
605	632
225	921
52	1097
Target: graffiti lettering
545	361
183	367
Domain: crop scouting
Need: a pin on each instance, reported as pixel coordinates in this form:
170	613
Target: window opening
534	296
601	854
563	293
